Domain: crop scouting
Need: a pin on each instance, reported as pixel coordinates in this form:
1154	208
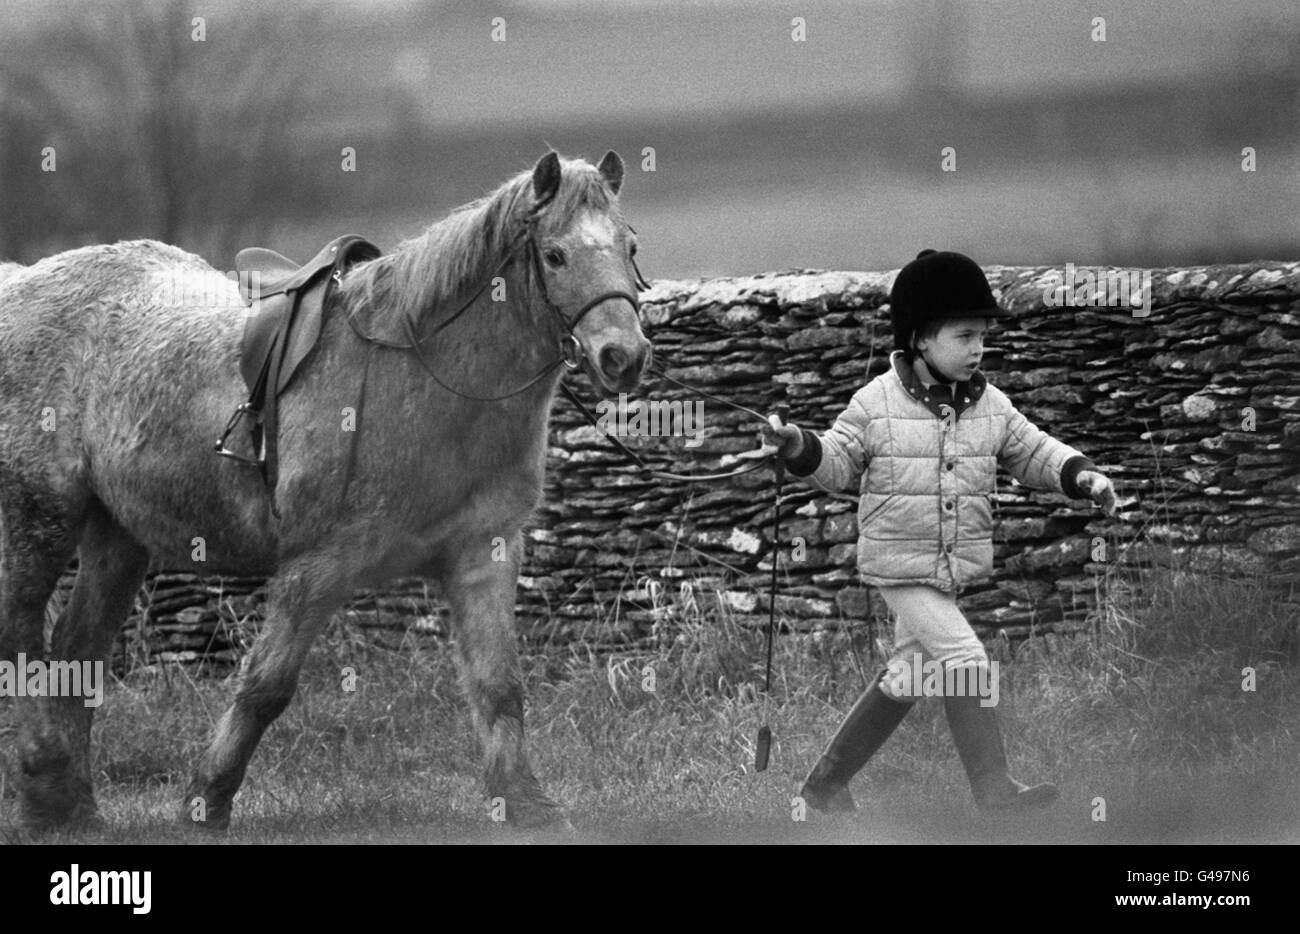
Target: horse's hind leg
481	598
299	603
112	566
36	544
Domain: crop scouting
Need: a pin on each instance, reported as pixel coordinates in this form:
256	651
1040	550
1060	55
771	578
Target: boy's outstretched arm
1042	462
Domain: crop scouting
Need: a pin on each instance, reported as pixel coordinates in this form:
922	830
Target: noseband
571	352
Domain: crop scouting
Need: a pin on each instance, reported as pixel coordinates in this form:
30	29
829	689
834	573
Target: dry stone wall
1192	407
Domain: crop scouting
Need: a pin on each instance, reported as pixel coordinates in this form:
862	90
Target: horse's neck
498	343
491	349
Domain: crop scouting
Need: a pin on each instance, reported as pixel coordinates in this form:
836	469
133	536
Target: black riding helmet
938	287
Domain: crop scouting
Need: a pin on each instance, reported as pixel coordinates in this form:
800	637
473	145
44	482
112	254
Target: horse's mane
456	255
8	269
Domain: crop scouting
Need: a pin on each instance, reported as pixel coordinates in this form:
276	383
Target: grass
1147	712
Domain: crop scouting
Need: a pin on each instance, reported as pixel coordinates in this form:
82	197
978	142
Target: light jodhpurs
929	623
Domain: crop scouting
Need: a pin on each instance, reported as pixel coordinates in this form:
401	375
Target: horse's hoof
37	826
39	816
85	818
538	815
17	835
214	826
196	816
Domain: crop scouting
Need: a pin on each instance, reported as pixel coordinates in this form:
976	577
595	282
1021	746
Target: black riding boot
872	719
978	739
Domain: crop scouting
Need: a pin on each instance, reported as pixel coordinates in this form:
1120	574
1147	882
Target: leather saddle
288	304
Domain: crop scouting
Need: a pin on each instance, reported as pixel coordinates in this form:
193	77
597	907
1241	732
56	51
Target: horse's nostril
613	361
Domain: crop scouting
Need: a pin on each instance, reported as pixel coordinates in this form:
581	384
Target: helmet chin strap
940	374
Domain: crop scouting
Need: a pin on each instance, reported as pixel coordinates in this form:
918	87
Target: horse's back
88	311
52	303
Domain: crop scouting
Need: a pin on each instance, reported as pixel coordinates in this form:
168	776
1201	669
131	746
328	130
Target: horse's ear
611	170
546	177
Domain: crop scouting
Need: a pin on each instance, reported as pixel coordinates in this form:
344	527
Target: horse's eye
555	256
631	251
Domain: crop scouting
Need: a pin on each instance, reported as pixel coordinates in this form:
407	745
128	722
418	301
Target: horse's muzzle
621	367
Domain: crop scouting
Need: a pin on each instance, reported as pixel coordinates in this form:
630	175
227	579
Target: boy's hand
787	439
1099	489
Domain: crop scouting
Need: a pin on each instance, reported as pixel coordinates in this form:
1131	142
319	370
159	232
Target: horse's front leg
300	600
480	594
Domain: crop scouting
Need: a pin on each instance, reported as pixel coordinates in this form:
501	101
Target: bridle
571	353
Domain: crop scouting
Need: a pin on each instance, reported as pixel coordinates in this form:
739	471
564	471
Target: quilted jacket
924	461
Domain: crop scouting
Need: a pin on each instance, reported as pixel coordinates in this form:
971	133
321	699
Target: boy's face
958	347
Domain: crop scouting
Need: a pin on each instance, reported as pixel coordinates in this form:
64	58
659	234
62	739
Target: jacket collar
940	397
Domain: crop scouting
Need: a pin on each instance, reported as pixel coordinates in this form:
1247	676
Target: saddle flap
304	331
260	332
309	310
286	327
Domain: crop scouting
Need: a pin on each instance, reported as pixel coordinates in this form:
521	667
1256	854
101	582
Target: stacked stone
190	619
1191	406
1193	409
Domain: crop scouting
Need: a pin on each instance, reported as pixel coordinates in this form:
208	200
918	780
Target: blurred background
769	153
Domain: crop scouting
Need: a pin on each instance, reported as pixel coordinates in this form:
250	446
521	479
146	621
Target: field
1148	713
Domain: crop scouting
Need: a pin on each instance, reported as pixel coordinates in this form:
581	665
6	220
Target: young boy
921	443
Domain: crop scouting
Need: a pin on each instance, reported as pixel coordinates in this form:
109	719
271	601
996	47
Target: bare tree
164	123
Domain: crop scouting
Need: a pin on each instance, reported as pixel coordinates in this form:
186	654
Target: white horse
110	400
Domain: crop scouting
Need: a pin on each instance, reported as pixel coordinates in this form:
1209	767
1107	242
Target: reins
664	474
763	744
